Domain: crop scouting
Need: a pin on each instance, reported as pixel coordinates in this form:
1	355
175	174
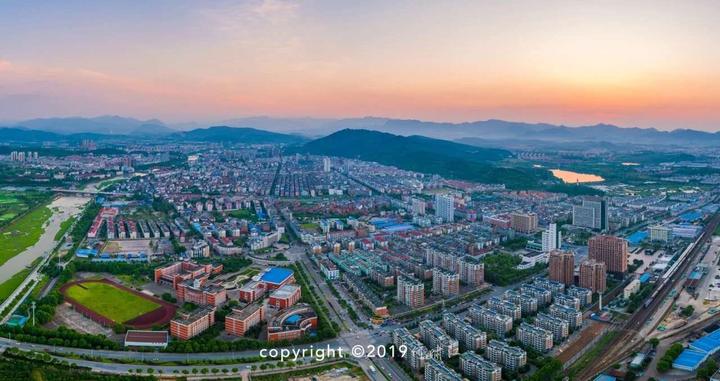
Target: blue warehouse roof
276	275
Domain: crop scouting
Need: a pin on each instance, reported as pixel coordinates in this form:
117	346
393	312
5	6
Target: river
62	208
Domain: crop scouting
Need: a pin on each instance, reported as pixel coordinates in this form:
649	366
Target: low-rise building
239	321
190	324
285	296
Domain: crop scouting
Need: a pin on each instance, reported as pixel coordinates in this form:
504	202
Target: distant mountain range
422	154
489	130
492	132
105	125
216	134
236	135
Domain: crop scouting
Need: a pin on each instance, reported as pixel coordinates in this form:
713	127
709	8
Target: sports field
111	302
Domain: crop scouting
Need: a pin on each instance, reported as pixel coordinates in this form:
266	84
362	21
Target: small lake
570	177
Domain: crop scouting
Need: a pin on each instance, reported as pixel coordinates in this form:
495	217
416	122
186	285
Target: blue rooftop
637	237
690	360
709	343
276	275
691	216
604	377
645	277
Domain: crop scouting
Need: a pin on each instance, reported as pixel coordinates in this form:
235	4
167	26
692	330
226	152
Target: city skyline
646	64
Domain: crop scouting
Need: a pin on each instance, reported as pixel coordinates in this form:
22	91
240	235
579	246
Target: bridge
80	192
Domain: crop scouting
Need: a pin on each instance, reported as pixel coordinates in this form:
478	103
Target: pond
570	177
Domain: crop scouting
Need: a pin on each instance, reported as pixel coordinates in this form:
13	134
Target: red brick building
240	320
613	251
285	296
191	324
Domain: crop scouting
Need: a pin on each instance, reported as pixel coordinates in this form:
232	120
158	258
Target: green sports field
109	301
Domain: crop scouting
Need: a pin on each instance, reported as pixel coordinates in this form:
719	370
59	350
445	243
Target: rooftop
276	275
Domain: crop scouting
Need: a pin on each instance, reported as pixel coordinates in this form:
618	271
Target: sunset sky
631	63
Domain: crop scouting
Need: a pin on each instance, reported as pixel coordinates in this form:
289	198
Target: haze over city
271	190
642	63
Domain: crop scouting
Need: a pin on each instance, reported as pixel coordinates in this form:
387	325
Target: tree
654	342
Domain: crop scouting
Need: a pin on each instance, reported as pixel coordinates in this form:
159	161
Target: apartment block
477	368
562	266
436	370
469	337
507	356
582	293
528	304
593	275
445	283
543	296
537	338
559	327
437	340
569	314
410	291
490	320
613	251
505	307
417	355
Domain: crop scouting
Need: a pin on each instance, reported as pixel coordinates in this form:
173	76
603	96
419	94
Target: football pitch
111	302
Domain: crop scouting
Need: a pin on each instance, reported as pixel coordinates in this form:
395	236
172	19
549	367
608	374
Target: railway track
627	342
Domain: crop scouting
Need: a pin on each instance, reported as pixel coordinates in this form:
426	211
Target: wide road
628	341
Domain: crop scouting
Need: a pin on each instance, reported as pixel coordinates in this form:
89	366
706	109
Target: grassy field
64	226
7	287
13	204
111	302
22	233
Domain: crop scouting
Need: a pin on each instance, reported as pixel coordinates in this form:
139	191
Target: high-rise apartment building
418	206
445	283
445	207
611	250
551	238
471	270
593	213
593	275
410	291
562	266
524	222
